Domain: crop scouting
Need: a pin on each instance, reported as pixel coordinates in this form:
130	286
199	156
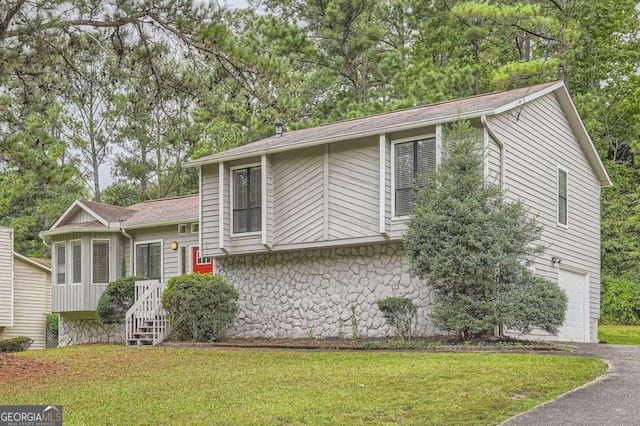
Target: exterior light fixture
556	260
174	245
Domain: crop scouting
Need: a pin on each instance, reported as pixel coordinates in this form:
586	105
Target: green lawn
117	385
619	334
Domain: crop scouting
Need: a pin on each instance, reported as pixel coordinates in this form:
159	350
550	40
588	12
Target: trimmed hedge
116	300
399	313
16	344
199	306
620	301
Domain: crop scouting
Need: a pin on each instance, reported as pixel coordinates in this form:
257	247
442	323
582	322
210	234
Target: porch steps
145	333
146	323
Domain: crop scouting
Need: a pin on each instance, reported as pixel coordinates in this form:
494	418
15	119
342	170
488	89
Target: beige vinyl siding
81	217
6	277
84	296
170	258
32	300
539	141
354	192
298	196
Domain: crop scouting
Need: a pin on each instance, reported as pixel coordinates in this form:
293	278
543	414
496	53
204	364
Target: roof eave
353	135
160	223
32	262
52	232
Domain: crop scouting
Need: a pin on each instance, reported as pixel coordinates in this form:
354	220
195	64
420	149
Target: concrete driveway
612	399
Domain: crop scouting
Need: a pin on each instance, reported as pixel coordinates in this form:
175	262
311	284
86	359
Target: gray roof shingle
378	123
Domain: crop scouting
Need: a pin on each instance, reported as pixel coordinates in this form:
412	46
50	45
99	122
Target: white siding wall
32	301
539	141
81	217
6	277
354	194
298	196
210	209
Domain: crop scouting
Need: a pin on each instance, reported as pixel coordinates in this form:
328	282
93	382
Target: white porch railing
146	321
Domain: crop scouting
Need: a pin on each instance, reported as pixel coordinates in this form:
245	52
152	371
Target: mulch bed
436	343
20	368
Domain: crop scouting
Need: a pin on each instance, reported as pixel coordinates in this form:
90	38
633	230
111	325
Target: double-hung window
61	263
149	260
76	262
100	261
413	162
247	199
562	190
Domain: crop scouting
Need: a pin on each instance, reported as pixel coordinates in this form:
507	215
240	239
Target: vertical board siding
6	276
84	297
82	217
269	201
32	302
354	189
536	144
210	211
298	196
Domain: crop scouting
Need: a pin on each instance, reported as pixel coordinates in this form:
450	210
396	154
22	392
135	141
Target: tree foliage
116	300
472	247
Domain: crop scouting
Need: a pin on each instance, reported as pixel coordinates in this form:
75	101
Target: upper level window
413	161
247	199
562	197
100	261
149	260
76	259
61	263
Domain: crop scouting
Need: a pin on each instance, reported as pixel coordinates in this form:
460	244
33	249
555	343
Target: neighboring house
93	244
308	225
25	293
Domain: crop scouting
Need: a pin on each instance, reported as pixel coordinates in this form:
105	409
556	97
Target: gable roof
108	218
411	118
163	211
104	214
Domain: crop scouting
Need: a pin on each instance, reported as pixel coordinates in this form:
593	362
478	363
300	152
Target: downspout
126	234
44	241
485	123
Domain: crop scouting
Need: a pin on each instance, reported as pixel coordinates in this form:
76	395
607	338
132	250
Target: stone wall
79	331
323	292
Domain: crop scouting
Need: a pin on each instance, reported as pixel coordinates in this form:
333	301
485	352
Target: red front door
201	265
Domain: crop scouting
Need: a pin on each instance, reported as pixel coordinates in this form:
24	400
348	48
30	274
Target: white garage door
576	322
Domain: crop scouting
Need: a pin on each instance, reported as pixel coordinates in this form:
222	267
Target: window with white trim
413	162
149	260
76	262
562	197
247	199
100	261
195	228
182	228
60	263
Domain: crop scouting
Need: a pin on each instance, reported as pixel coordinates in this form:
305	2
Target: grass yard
619	334
121	386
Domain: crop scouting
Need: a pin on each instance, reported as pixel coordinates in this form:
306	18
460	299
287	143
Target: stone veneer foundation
78	331
322	292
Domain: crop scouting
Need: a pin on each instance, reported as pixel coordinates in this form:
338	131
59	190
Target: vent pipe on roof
279	125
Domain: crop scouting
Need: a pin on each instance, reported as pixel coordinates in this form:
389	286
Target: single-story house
25	293
308	224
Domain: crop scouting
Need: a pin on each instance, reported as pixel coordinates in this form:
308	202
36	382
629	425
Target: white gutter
485	123
68	230
342	137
